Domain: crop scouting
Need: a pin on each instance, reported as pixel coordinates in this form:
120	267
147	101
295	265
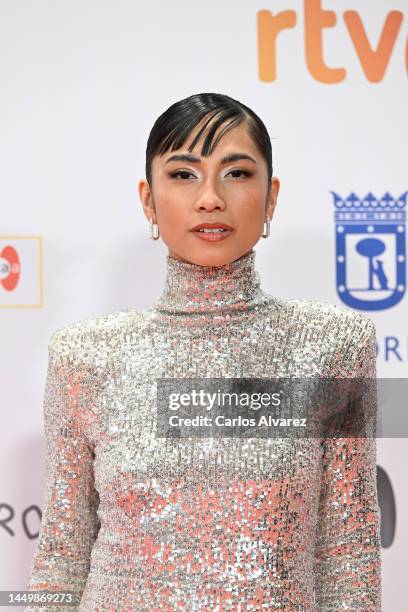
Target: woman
134	521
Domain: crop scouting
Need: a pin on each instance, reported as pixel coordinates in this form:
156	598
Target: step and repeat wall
82	84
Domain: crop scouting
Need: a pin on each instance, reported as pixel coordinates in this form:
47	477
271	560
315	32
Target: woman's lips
212	236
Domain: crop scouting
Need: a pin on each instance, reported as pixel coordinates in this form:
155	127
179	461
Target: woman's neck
191	288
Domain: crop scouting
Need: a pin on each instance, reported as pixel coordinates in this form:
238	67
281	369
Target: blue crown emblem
370	250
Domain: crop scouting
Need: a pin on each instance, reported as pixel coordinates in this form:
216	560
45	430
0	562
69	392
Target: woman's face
188	192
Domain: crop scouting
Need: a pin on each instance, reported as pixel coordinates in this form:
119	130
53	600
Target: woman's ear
272	197
146	199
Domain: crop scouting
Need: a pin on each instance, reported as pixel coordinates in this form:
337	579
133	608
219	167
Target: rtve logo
374	62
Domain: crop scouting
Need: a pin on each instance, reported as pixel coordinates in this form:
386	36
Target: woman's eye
244	172
180	172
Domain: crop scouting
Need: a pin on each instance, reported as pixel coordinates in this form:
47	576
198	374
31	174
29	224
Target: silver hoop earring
154	230
267	228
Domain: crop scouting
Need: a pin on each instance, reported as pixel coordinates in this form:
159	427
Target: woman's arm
69	523
348	547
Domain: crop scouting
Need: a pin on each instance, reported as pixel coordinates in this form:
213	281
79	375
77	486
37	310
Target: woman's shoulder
97	333
331	317
331	329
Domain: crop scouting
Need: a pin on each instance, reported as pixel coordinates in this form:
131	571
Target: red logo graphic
10	268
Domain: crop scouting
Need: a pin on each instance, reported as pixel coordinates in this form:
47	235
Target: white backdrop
82	83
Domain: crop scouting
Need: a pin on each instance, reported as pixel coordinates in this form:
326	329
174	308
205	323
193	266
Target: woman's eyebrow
192	159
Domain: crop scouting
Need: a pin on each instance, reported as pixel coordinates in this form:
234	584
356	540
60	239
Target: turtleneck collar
191	288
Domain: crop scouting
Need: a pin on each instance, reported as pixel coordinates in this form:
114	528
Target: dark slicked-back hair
171	130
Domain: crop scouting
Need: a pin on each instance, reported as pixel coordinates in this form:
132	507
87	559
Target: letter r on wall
269	27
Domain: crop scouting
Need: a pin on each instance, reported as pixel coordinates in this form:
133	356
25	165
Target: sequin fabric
134	522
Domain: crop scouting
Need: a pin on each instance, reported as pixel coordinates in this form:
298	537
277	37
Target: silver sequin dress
136	522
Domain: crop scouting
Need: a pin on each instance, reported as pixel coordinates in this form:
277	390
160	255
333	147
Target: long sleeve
69	524
348	546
